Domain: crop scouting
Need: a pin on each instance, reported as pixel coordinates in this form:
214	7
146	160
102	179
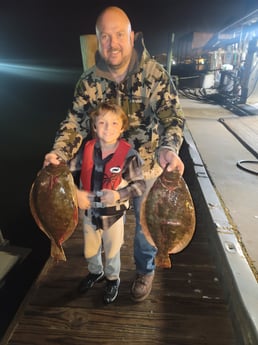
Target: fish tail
162	261
57	252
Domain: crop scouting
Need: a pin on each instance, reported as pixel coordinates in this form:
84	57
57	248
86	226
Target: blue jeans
144	252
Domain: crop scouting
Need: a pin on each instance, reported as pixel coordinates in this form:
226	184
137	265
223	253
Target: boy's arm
134	177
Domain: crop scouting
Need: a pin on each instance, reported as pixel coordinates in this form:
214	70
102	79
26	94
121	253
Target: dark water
30	111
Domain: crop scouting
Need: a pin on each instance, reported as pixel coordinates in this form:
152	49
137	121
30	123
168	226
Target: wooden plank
88	49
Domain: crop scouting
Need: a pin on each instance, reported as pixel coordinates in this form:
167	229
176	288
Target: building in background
226	61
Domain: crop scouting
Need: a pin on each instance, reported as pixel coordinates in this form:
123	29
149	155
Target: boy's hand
83	199
109	196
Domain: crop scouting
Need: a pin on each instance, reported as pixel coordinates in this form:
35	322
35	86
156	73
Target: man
125	73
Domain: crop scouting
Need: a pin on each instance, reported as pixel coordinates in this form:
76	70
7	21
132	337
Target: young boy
111	174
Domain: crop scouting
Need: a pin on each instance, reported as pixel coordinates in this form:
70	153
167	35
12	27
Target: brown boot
141	287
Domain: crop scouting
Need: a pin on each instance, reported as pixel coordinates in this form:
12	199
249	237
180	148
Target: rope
241	166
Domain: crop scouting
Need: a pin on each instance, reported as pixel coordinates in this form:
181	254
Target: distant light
39	72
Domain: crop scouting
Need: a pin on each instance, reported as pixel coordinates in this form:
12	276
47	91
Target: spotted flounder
168	216
54	206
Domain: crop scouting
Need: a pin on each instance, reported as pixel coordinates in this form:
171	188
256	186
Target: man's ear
132	37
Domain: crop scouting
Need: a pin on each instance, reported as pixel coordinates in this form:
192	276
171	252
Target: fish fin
162	261
57	252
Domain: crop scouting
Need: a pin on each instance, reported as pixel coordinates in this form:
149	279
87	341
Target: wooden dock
187	305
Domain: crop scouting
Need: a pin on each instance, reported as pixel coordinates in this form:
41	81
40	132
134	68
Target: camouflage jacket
147	95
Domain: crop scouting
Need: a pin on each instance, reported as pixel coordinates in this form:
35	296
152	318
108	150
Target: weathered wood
88	49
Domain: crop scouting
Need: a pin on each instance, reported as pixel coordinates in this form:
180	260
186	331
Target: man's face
115	40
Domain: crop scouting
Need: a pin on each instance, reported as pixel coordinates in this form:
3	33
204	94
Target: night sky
49	30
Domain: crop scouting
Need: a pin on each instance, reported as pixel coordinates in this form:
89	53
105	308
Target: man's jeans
144	252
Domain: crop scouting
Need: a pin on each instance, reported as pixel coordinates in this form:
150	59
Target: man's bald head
112	13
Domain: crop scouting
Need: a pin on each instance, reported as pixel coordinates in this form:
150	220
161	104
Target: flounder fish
54	206
168	216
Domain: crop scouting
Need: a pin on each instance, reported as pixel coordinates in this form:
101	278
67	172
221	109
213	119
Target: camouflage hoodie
147	95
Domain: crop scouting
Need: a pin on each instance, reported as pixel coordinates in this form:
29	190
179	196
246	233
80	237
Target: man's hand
51	158
169	157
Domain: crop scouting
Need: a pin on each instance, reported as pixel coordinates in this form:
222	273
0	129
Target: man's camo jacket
147	95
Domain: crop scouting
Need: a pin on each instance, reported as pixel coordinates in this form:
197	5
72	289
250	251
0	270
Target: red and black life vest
113	168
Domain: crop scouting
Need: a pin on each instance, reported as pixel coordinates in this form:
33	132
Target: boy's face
108	127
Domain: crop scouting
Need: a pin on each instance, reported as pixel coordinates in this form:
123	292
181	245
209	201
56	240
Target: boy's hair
104	107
